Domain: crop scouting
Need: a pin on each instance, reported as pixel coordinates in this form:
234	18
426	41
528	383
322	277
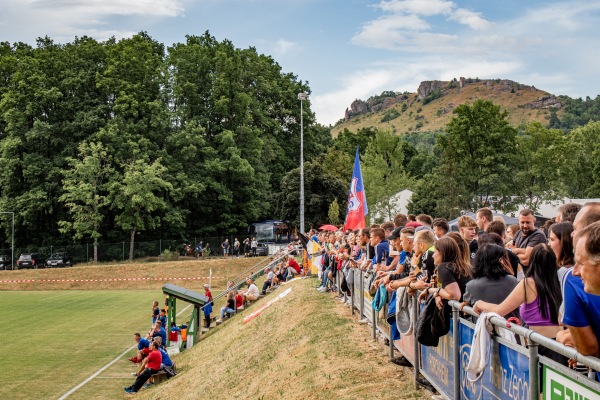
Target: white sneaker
363	321
322	289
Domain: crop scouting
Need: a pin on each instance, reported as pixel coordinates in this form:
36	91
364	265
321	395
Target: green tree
338	164
84	193
320	189
427	196
584	160
138	198
348	141
542	165
477	155
334	212
384	173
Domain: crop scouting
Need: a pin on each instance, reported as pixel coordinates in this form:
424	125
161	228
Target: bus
271	232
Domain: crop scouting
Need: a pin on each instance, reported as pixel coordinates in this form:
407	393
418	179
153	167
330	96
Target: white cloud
63	19
417	7
390	31
167	8
283	47
396	28
470	18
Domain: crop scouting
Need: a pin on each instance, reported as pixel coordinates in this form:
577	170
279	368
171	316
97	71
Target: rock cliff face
545	102
356	108
494	88
428	87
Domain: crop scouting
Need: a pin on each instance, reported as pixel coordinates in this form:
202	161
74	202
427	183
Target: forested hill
430	108
107	140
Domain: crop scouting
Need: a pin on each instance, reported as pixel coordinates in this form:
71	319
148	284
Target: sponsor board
558	386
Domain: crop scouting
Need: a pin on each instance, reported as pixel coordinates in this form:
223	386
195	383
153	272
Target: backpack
433	323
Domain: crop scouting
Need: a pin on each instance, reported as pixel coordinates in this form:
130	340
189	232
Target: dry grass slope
221	269
435	115
305	346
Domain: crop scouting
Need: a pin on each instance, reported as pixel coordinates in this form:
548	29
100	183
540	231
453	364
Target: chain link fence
115	252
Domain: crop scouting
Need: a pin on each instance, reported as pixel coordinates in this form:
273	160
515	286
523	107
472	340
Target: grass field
55	338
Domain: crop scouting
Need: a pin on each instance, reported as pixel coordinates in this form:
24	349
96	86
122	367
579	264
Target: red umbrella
328	228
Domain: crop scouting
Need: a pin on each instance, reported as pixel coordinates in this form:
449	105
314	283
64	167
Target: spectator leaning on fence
538	296
422	263
493	278
382	248
582	309
368	250
453	271
527	238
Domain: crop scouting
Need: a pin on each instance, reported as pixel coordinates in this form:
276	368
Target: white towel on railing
480	347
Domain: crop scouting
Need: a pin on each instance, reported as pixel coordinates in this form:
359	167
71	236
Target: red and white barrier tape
109	280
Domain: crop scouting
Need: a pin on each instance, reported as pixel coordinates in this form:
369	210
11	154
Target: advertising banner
558	386
437	366
505	377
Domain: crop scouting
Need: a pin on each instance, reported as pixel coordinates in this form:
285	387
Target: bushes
390	115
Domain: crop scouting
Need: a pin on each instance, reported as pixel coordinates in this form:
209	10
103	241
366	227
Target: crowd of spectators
547	276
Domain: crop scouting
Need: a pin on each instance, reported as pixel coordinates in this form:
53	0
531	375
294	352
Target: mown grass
56	339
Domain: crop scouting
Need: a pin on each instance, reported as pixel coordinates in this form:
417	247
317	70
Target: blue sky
348	49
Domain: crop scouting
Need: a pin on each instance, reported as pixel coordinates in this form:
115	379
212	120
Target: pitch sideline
70	392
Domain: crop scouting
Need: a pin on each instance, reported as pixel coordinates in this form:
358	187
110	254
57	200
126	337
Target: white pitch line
70	392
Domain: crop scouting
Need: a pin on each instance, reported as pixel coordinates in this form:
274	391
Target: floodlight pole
302	96
12	256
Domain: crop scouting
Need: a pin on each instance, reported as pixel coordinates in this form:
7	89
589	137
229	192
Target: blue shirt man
163	334
166	360
143	344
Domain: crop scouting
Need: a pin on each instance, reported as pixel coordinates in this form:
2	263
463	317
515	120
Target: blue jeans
325	277
226	310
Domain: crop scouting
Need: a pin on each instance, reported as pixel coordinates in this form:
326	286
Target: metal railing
166	249
512	371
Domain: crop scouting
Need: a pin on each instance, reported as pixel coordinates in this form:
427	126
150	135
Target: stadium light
12	258
302	96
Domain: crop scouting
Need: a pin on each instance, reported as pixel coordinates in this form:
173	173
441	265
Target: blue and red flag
357	200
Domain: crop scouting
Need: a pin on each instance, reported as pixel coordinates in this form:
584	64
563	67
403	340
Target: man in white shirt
251	294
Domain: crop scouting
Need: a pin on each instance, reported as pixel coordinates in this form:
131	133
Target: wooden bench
162	375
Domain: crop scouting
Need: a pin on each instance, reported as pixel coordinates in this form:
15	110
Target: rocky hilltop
430	107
